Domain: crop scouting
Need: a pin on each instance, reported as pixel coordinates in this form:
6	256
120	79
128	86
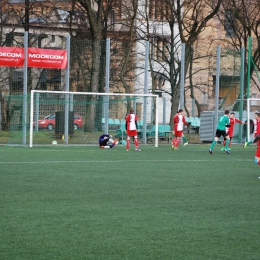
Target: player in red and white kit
257	134
257	141
257	153
179	121
132	129
230	129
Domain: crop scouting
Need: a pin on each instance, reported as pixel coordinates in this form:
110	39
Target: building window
118	9
9	39
112	19
159	49
229	23
16	81
159	81
114	10
52	38
157	10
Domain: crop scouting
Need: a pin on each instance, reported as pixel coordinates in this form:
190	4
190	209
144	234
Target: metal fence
210	82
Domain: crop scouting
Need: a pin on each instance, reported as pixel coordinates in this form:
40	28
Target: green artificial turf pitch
62	202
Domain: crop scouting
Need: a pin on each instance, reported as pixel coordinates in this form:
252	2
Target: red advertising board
37	58
45	58
11	56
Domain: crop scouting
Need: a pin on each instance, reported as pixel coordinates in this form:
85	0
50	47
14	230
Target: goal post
253	106
81	117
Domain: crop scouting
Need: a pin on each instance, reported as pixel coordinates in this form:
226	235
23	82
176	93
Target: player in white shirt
179	121
132	129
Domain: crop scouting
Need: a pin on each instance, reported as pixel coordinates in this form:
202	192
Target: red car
49	122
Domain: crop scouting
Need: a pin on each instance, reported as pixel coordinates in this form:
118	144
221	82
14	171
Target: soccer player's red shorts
131	132
257	153
230	134
178	133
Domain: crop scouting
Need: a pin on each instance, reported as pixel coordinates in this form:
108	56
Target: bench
194	123
163	133
121	133
113	124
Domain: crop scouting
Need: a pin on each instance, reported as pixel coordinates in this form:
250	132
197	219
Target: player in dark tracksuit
106	141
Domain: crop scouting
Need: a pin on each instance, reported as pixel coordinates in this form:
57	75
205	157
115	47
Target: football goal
253	106
79	118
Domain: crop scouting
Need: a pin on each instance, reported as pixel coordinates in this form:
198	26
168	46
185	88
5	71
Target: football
54	142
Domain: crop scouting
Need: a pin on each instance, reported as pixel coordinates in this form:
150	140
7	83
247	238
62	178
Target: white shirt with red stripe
130	120
255	126
179	120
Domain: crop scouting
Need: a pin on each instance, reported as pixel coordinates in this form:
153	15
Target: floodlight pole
217	90
146	64
242	70
182	81
249	60
106	105
67	87
24	115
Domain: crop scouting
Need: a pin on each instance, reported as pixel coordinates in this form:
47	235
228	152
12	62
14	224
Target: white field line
124	161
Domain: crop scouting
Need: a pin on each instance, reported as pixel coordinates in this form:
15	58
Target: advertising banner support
24	119
66	121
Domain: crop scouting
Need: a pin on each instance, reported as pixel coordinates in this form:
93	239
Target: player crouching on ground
106	141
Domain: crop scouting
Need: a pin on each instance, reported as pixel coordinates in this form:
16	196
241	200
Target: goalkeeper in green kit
223	122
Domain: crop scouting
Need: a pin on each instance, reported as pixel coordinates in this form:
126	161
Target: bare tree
97	13
191	17
131	15
241	20
176	22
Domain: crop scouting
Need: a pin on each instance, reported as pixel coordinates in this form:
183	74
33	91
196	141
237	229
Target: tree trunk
122	75
5	123
191	82
91	108
175	103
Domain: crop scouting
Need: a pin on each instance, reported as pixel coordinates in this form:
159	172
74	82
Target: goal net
80	118
253	107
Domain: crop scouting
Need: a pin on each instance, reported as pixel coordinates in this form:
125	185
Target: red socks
127	144
136	142
175	142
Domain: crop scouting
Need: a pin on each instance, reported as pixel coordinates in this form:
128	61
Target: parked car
49	122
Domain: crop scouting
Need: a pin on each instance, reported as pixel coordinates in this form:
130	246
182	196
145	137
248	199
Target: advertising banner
37	58
11	56
45	58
